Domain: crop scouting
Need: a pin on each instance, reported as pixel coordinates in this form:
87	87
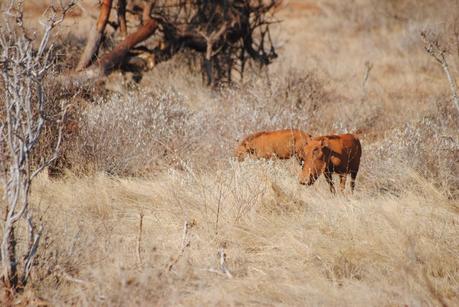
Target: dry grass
162	147
285	244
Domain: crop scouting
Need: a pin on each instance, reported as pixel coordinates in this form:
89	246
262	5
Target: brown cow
331	154
282	144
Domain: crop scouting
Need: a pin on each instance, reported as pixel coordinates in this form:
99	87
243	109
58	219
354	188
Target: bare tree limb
95	36
114	58
222	260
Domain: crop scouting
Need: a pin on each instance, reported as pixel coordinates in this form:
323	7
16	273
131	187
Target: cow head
314	161
299	147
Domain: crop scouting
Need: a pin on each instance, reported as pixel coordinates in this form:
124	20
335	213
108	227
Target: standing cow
282	144
331	154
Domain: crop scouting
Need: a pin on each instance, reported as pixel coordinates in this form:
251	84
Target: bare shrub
428	148
134	134
24	112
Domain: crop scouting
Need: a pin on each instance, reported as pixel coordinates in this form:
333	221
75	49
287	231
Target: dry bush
132	134
58	97
429	148
73	96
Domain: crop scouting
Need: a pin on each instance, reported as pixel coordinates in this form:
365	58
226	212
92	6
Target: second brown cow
282	144
331	154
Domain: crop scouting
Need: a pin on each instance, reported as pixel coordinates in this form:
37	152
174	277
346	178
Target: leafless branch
223	268
183	245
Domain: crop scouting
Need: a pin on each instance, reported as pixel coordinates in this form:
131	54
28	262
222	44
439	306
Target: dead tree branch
114	58
95	36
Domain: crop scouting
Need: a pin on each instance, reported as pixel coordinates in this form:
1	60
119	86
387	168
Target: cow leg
342	182
353	176
328	177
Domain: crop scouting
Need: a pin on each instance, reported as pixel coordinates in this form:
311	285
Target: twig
223	268
68	277
218	208
215	271
184	244
184	236
139	240
368	68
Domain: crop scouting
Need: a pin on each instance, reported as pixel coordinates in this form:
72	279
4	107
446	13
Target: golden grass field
160	152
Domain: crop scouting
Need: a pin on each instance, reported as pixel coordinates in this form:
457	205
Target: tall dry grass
285	244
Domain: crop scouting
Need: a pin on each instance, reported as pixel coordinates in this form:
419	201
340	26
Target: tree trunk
95	36
8	252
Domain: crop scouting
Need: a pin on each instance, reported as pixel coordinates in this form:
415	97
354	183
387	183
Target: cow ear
324	143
